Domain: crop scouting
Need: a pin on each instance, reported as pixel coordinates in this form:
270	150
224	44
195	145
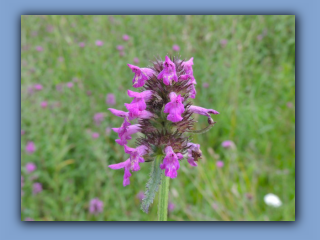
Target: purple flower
136	60
98	118
168	73
141	75
219	164
110	99
202	111
81	44
171	206
30	148
30	167
99	43
176	48
223	42
205	85
22	132
175	108
28	219
120	48
125	132
187	66
38	87
140	98
36	188
125	37
228	144
134	112
170	162
70	84
136	156
96	206
118	113
44	104
140	195
95	135
193	150
50	28
126	165
39	48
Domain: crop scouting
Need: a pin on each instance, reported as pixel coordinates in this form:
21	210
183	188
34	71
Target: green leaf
152	184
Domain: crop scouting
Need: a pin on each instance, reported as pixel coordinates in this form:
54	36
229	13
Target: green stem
163	198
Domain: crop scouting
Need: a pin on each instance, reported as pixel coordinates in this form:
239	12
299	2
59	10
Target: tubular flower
175	107
141	75
163	113
168	74
171	163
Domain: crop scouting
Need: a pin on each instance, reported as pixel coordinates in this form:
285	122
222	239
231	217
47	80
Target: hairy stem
163	198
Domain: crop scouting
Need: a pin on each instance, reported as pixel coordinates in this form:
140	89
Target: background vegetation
248	64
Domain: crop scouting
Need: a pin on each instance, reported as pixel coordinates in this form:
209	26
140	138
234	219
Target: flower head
30	148
98	118
140	195
141	75
30	167
111	99
44	104
228	144
120	48
175	107
22	132
136	156
176	48
99	43
70	84
39	48
168	74
38	87
223	42
219	164
136	60
36	188
95	135
125	37
170	162
125	131
171	206
95	206
82	44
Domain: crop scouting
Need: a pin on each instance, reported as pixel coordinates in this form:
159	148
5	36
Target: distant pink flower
227	144
141	75
22	132
50	28
82	44
171	207
98	118
28	219
223	42
205	85
140	195
30	148
30	167
136	60
170	162
175	107
96	206
125	37
289	104
59	87
38	87
39	48
60	59
95	135
22	181
70	84
89	93
120	47
219	164
111	99
108	130
176	48
122	53
44	104
168	74
36	188
99	43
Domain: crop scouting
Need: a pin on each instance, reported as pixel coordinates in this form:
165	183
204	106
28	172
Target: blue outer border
308	99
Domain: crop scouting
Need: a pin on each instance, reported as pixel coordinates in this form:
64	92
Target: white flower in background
272	200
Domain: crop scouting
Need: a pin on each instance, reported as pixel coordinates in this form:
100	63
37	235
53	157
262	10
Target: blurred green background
245	69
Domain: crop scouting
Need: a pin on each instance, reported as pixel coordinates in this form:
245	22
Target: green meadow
245	69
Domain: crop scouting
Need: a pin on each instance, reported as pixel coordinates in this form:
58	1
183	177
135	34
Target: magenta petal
175	108
170	163
120	165
168	74
202	111
118	113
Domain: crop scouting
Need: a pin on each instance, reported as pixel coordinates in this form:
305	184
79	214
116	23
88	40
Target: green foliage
153	184
251	83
